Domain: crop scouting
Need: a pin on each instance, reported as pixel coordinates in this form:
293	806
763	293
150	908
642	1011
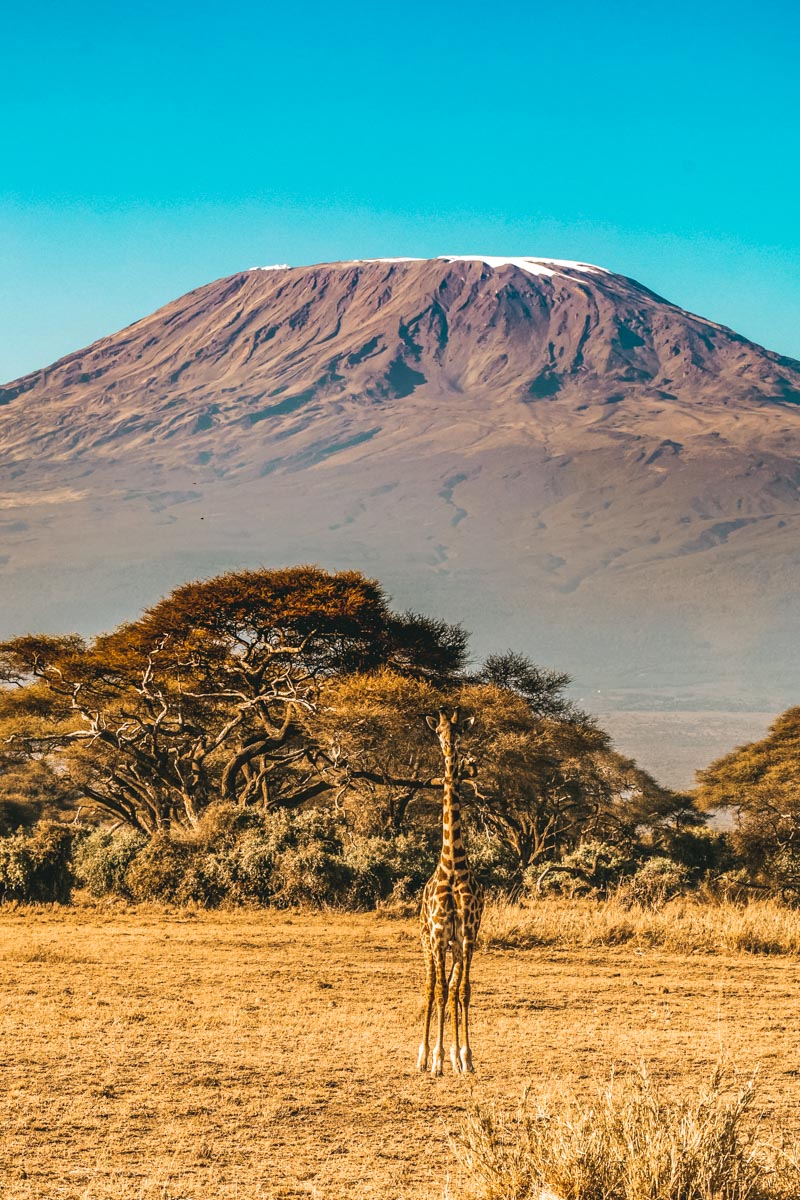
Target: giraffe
452	904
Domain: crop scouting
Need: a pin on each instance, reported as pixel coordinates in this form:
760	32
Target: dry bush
682	925
631	1144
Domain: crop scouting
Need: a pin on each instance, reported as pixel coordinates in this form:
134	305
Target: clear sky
150	147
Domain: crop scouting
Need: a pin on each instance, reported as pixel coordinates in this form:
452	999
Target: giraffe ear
431	722
466	724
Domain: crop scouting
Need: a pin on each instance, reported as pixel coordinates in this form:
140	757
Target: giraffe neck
453	855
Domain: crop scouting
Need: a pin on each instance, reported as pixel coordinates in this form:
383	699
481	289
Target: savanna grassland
177	1055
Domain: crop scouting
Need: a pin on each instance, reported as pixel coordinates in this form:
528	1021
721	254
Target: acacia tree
549	782
378	747
537	789
30	787
209	693
547	776
759	783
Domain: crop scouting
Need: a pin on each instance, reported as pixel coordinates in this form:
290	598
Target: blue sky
150	148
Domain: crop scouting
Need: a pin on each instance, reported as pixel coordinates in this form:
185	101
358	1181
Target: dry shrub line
631	1144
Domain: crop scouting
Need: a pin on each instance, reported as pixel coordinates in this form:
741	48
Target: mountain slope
546	450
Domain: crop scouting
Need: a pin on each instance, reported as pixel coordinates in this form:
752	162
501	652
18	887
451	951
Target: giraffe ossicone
452	905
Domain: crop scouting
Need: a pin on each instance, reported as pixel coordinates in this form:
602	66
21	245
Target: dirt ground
152	1056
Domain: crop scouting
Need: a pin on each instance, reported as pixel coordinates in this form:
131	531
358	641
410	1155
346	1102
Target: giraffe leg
455	1005
441	1009
465	992
430	983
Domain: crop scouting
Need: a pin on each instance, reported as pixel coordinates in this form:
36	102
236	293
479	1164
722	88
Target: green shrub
249	865
494	865
380	867
205	880
701	850
102	859
36	866
656	881
285	858
369	864
310	874
590	869
16	813
157	869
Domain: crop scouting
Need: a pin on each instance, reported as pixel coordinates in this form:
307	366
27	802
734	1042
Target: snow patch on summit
534	266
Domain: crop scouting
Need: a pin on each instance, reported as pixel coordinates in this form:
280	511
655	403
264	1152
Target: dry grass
628	1144
149	1055
685	925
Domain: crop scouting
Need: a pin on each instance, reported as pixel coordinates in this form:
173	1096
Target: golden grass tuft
685	925
630	1144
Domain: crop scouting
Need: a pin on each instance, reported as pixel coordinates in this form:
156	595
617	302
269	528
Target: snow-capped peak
534	266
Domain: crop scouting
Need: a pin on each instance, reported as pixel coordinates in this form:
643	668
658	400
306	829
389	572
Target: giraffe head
448	726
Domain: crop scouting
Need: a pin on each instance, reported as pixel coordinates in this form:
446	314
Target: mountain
545	450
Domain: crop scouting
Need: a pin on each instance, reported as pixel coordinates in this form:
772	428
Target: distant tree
548	783
540	687
389	764
760	784
31	786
